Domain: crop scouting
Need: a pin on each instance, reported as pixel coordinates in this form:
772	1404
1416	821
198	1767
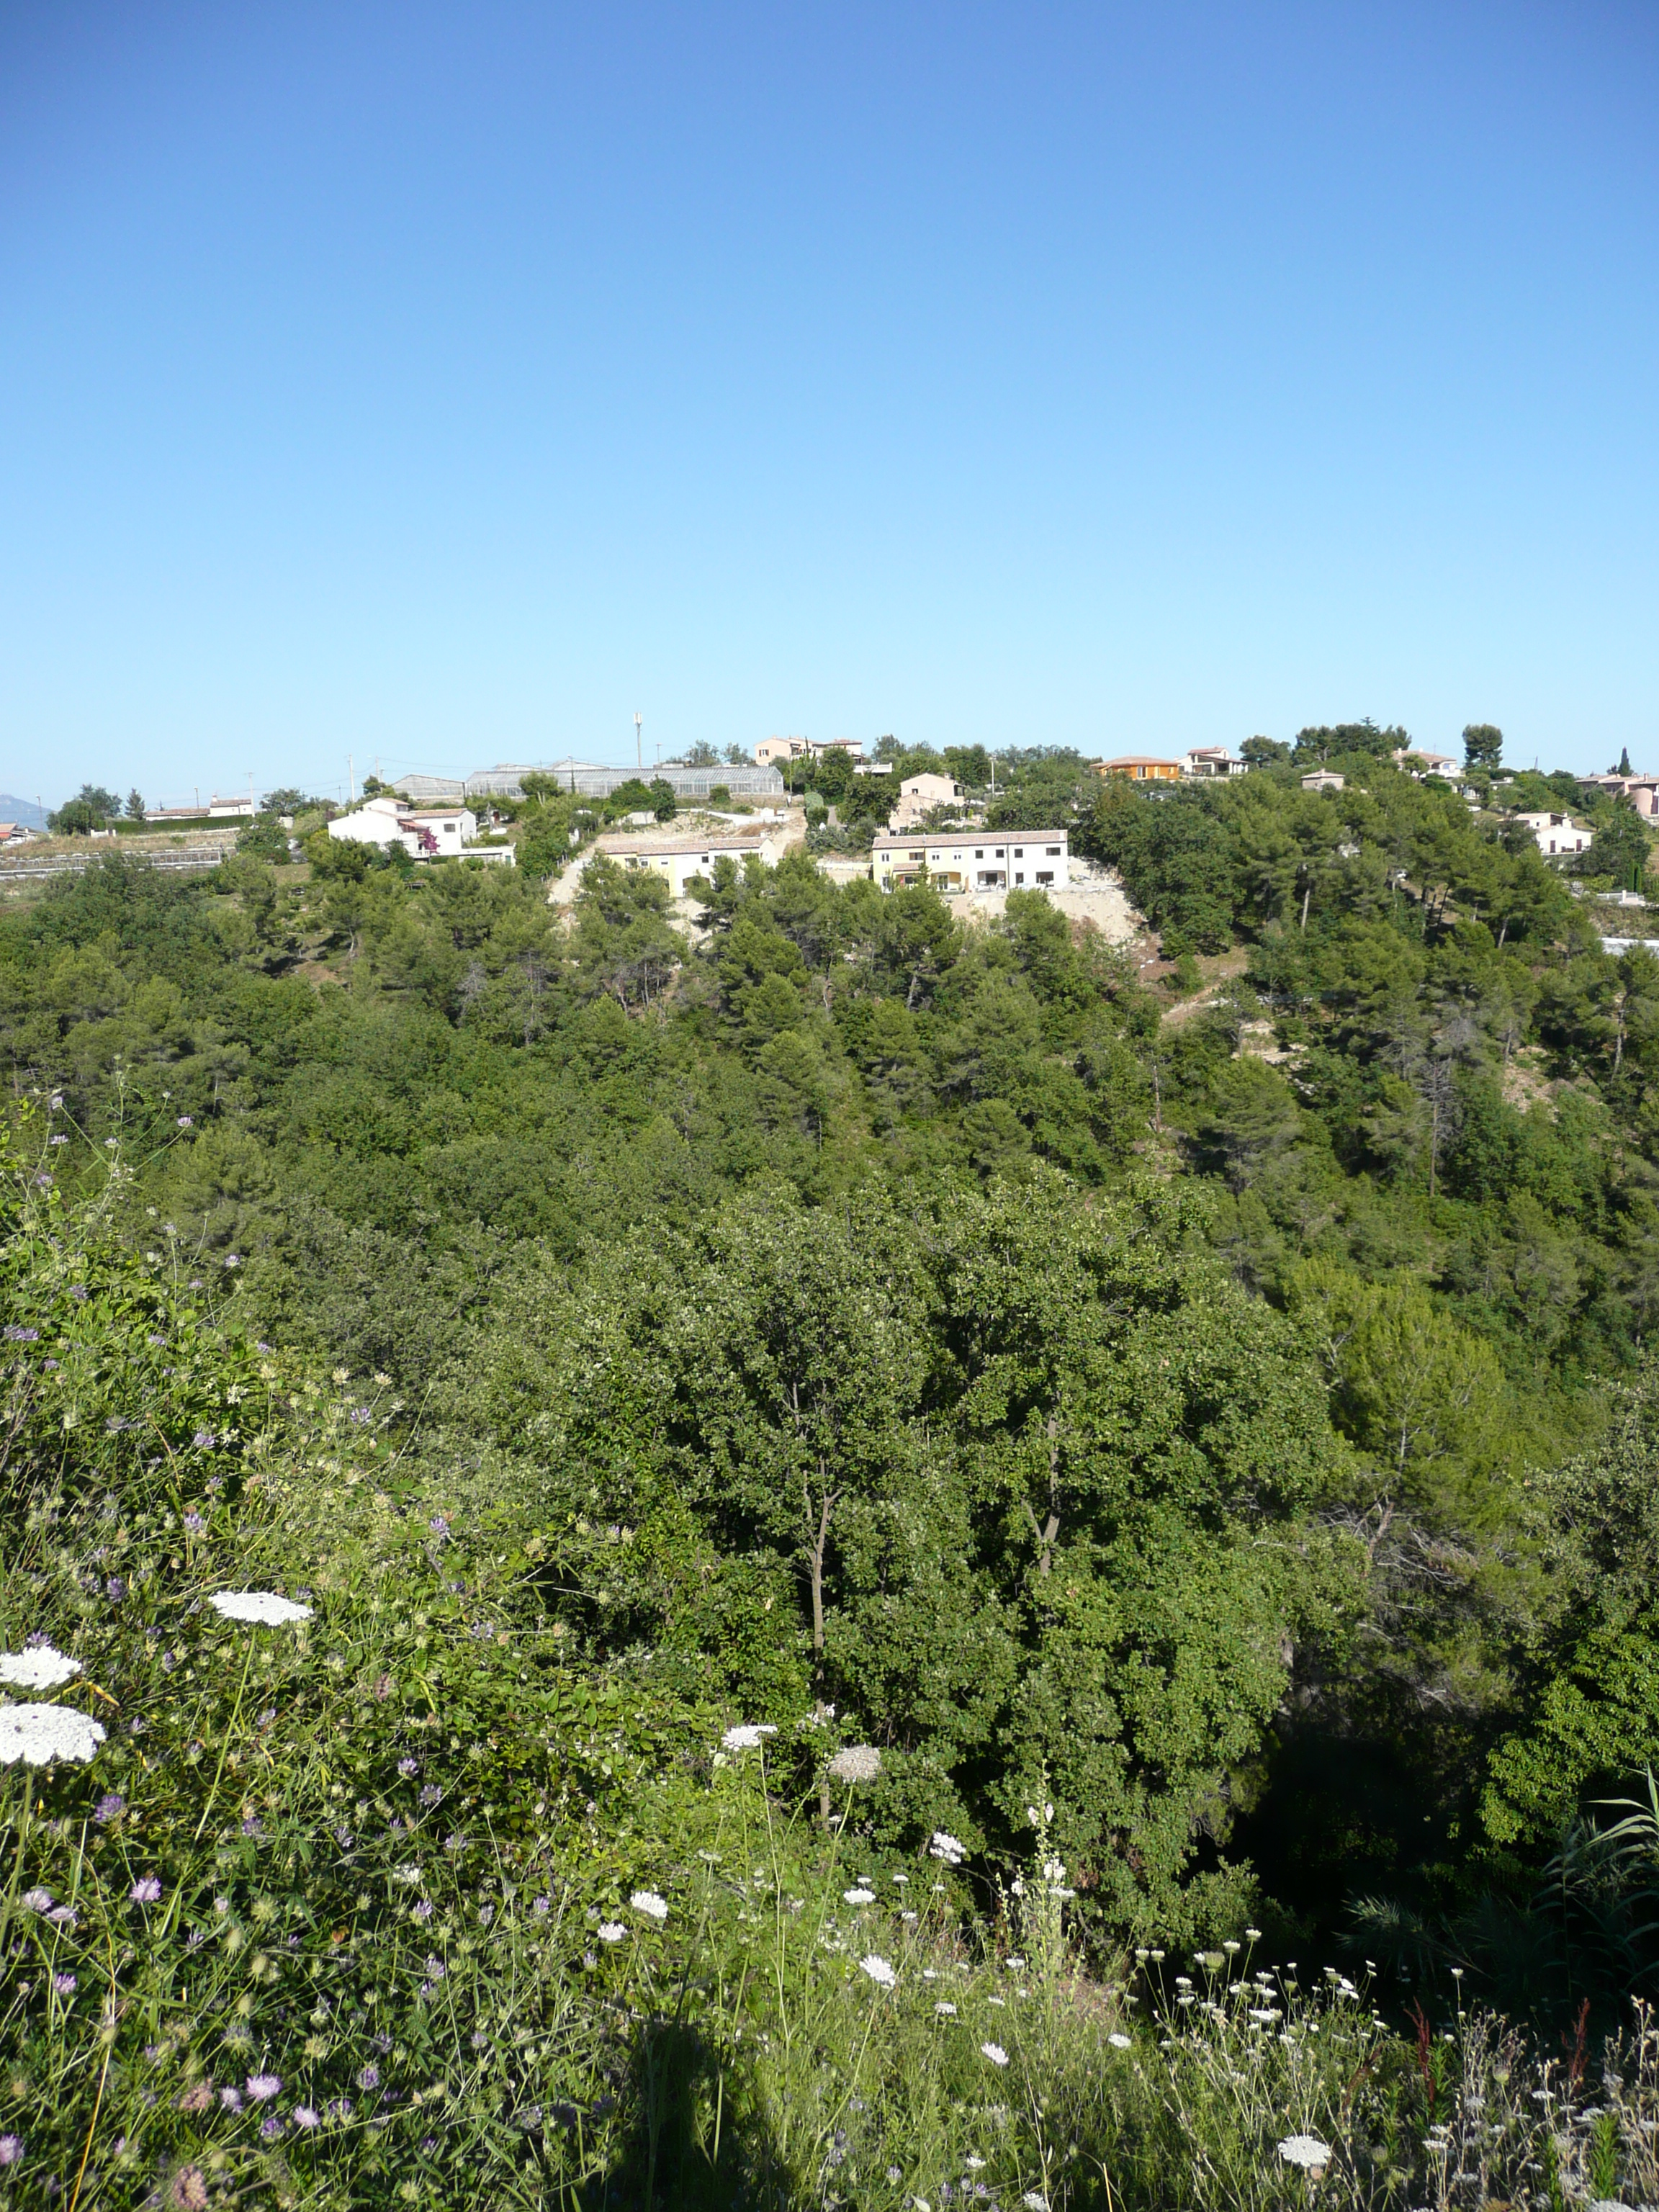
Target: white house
1557	833
675	856
429	833
1418	764
1212	761
231	810
972	860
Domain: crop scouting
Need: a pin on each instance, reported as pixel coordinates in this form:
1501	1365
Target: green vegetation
1190	1445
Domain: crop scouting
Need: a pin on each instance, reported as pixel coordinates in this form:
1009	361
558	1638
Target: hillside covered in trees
1208	1392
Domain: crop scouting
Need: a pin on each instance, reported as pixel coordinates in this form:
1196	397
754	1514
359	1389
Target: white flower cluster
648	1902
1305	2151
747	1737
880	1971
858	1896
39	1733
263	1606
859	1762
947	1848
42	1669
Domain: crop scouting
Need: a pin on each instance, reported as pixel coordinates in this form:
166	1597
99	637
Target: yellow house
1143	768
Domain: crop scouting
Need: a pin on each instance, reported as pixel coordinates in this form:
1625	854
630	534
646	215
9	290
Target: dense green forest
1210	1396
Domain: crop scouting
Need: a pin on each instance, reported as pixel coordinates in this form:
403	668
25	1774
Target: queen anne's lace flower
611	1931
859	1762
1118	2041
261	1606
39	1733
648	1902
946	1847
1305	2151
860	1896
880	1971
996	2053
42	1669
749	1736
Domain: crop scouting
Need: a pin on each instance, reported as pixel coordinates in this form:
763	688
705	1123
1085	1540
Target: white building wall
1010	860
384	822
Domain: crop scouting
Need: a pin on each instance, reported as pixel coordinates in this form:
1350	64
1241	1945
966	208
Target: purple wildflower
65	1984
109	1807
15	1335
205	1439
431	1794
231	2099
117	1589
262	2087
147	1890
305	2117
253	1826
340	2109
439	1524
11	2150
184	1121
194	1523
423	1909
543	1904
232	1259
409	1767
369	2078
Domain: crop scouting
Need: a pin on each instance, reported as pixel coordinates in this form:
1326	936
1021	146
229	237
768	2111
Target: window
1019	852
1019	875
918	856
1001	855
1045	875
1051	853
979	853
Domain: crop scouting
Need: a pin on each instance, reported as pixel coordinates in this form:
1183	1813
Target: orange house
1143	767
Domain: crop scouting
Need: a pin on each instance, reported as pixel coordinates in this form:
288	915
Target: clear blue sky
440	383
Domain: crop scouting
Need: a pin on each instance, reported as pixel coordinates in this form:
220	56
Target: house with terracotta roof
1141	768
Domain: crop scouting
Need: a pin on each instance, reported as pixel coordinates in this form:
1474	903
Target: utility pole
639	747
351	773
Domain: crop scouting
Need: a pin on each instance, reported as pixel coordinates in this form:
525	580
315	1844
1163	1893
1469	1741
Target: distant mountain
23	811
